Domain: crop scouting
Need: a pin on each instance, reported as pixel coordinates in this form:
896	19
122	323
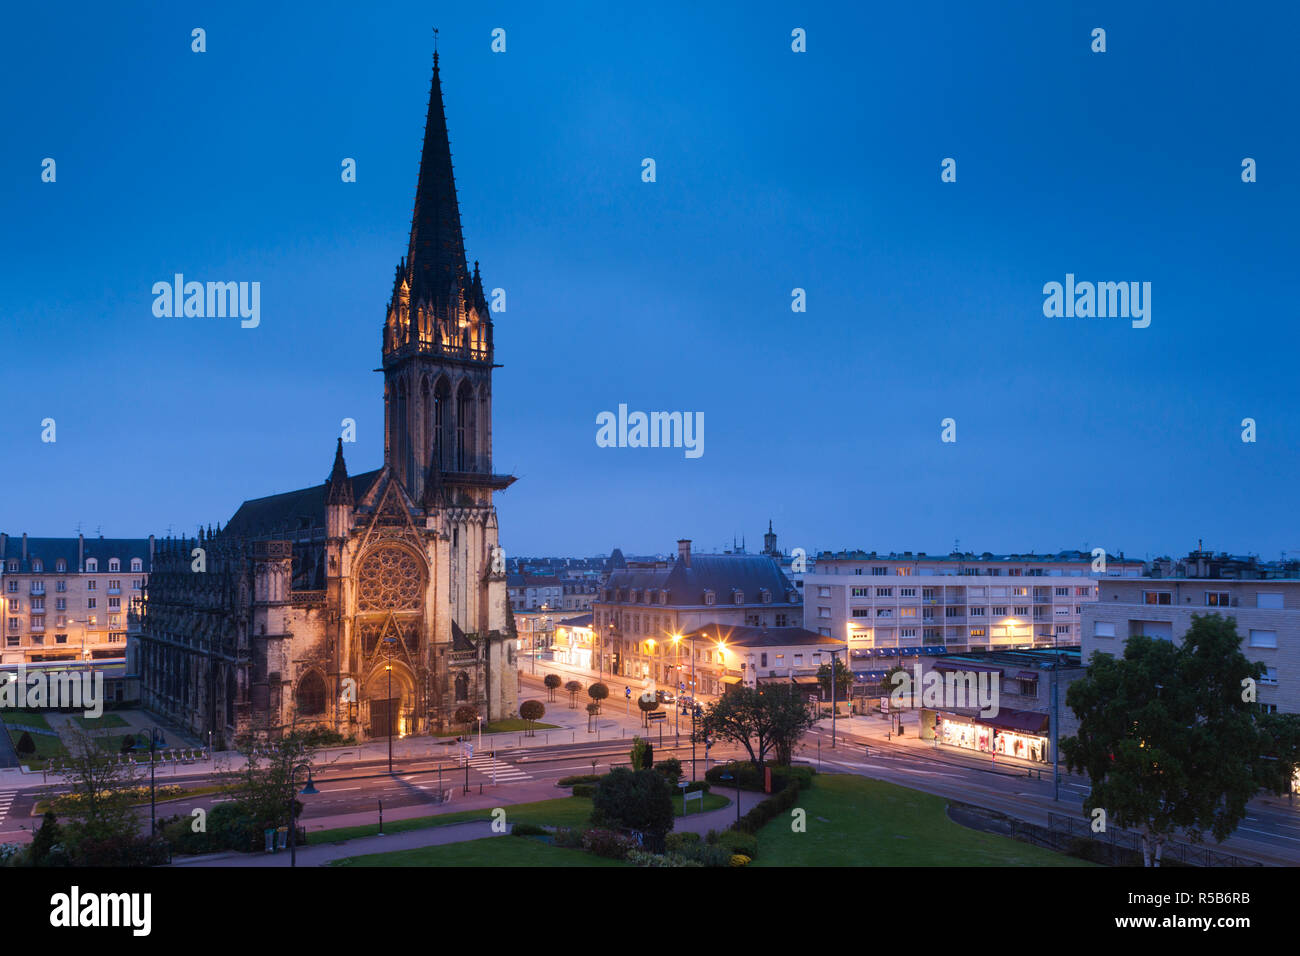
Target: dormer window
61	566
137	564
91	565
765	596
708	597
663	596
738	596
114	564
631	596
38	567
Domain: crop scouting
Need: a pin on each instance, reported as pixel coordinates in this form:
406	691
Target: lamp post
388	667
693	706
154	735
677	679
307	791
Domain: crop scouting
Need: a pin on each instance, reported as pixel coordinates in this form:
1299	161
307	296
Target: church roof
289	511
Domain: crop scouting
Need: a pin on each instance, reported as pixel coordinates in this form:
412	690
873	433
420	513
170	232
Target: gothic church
375	602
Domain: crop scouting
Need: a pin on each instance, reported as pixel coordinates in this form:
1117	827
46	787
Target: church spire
436	255
340	488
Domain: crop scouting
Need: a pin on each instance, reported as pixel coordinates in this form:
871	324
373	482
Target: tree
26	746
551	681
44	840
466	714
843	680
647	703
531	710
128	744
101	790
1171	738
642	754
635	800
592	710
762	723
573	687
598	692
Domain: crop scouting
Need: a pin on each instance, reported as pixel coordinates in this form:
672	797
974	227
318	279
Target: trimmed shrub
749	776
528	829
735	841
642	858
635	800
671	768
584	790
579	778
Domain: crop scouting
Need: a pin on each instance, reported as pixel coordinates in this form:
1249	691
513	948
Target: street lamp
388	666
154	736
307	791
677	679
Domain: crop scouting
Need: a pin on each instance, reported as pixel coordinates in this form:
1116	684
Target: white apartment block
1267	613
960	602
69	598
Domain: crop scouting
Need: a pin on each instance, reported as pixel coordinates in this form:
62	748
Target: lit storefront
573	642
1012	733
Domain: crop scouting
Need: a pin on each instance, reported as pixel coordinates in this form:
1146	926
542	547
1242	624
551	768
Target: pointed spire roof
339	488
436	255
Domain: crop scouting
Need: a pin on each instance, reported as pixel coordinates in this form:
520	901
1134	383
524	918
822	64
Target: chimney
684	551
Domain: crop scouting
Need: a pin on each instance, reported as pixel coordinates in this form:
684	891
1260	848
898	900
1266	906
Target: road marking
6	799
1271	836
340	789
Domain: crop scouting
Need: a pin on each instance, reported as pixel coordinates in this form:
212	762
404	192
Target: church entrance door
383	717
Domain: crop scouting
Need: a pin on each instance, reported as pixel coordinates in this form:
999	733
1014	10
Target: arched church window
311	695
462	686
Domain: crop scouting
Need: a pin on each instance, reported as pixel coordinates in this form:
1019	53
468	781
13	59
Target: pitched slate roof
289	511
719	573
50	550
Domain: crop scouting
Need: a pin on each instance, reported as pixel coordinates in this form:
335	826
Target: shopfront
1012	733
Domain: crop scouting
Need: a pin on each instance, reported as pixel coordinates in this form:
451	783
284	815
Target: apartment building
531	592
644	606
1267	612
67	599
757	656
960	601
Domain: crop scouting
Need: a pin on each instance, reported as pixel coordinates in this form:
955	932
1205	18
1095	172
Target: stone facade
370	602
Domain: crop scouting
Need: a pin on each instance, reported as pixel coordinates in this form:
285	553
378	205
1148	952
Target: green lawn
102	722
489	851
560	812
25	718
509	726
854	821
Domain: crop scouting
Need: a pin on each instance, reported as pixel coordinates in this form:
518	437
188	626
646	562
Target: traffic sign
627	692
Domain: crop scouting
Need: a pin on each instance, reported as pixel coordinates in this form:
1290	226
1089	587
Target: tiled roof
50	550
719	573
738	635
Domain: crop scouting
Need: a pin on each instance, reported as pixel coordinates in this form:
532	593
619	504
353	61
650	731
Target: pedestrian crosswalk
504	771
6	800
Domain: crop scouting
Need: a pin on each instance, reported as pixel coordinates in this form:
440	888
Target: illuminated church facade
373	602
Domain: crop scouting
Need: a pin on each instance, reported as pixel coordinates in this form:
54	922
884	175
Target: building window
91	565
879	572
92	585
975	611
1000	611
114	564
853	592
137	564
1157	597
1062	592
884	592
1218	599
1263	638
90	603
60	585
1021	611
1103	629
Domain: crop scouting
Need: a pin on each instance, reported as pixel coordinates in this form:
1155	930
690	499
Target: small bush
642	858
739	859
584	789
608	844
569	838
528	829
735	841
684	842
713	856
671	768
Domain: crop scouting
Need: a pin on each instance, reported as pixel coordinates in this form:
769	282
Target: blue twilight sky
776	170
